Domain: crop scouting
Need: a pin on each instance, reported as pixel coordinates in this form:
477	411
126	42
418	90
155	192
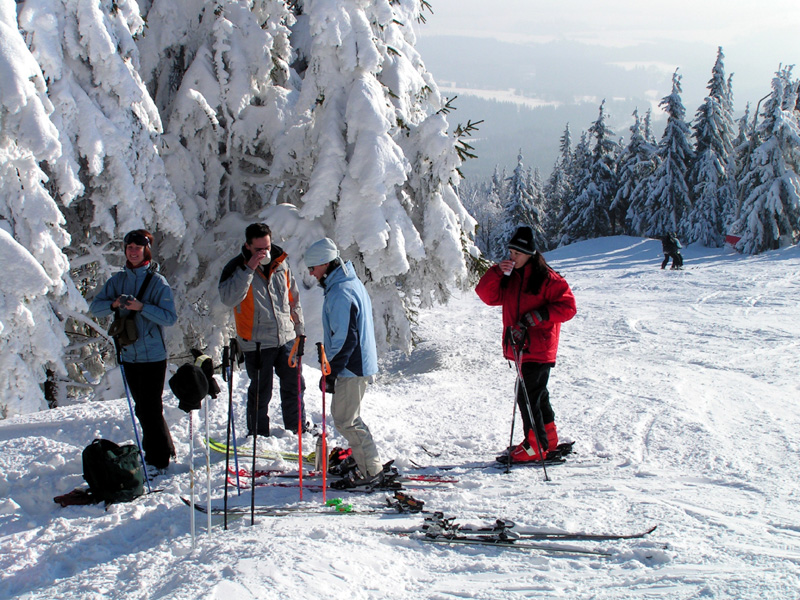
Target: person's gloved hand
531	319
518	334
327	383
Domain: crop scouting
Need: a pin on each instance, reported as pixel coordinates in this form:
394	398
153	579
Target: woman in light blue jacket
144	362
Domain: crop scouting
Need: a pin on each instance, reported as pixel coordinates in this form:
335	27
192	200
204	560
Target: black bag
123	329
114	473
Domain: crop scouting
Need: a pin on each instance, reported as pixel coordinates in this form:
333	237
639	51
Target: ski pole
229	357
521	383
254	424
191	476
237	358
208	471
296	361
513	422
133	418
325	367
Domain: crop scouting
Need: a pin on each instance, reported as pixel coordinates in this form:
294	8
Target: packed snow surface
679	388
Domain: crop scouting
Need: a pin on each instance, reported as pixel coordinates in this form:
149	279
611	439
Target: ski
556	457
500	543
223	448
503	529
315	487
332	507
311	474
398	503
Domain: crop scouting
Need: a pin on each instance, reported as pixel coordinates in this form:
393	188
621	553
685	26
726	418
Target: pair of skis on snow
441	530
438	529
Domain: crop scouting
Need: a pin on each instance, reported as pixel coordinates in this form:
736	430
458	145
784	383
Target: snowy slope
680	389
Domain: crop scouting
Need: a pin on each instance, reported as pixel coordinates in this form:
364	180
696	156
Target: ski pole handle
298	348
325	366
225	362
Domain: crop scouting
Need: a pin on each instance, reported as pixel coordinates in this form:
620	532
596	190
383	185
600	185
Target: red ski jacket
555	302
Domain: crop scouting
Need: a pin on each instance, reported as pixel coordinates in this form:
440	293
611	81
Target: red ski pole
296	361
325	367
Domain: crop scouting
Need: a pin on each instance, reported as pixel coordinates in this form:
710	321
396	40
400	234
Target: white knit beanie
321	252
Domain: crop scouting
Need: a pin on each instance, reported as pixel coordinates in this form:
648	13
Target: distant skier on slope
672	249
535	301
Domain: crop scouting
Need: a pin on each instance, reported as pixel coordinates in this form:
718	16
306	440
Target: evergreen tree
770	213
223	82
713	174
37	291
634	166
520	207
558	189
668	201
589	215
109	131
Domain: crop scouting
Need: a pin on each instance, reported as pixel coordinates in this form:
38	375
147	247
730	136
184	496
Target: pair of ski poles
229	358
520	383
295	361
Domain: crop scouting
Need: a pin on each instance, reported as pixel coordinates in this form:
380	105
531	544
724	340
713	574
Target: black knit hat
190	386
522	241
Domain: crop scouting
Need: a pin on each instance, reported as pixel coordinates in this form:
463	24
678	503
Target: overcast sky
598	42
756	36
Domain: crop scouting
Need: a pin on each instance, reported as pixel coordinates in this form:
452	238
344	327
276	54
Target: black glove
327	383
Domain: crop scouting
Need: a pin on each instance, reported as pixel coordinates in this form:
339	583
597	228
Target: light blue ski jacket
348	325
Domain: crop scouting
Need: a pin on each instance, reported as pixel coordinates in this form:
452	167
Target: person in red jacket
535	301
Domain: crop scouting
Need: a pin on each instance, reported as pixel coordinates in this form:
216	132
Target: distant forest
705	178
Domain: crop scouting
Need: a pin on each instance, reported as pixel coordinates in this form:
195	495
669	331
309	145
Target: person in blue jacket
144	362
349	338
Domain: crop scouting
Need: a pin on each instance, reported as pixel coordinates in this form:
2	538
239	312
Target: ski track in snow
680	389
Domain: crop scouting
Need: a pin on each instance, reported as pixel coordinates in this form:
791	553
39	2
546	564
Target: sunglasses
134	237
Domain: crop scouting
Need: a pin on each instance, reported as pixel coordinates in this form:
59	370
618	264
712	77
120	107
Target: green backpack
114	473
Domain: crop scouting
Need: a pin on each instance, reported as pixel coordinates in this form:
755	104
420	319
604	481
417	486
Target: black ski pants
677	259
146	385
273	360
535	408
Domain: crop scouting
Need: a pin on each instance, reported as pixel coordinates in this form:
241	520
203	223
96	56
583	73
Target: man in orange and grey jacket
263	293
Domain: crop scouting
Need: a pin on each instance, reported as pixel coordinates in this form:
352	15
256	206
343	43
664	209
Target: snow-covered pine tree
589	214
668	201
635	164
636	217
370	142
558	188
482	203
520	208
109	129
220	74
579	171
36	289
713	174
770	184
